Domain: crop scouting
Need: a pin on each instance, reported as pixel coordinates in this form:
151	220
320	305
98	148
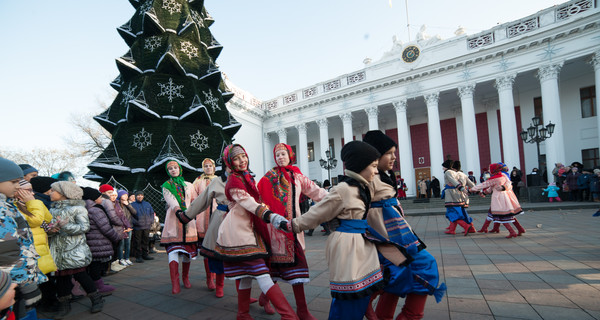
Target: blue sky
58	57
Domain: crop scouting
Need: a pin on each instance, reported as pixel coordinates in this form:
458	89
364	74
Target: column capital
372	111
322	123
595	61
432	98
549	71
400	106
346	117
301	128
266	136
282	132
466	92
505	82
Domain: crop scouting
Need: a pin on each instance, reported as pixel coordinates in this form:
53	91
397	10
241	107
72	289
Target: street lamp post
329	163
537	133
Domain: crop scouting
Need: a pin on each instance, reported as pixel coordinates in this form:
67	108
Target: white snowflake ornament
199	141
142	139
188	49
170	90
210	100
152	43
172	6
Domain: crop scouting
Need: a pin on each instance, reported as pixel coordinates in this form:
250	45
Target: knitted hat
27	169
456	165
596	171
65	176
24	184
42	184
139	192
121	193
358	155
448	164
91	194
379	140
68	189
105	187
9	170
470	173
5	282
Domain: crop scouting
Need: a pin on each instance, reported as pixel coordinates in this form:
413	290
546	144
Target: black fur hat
448	164
357	155
379	140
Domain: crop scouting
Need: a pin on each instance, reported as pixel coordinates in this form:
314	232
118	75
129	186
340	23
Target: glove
182	217
279	222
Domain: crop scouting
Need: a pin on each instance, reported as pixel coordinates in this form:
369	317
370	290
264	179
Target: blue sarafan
171	96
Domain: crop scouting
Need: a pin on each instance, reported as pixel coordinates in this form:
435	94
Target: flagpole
407	22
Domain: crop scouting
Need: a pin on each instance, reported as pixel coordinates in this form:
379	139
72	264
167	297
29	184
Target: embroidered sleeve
245	200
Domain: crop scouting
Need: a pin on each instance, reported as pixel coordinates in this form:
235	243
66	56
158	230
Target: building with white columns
466	98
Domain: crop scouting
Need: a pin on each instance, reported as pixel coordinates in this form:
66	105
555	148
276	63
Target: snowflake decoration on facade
152	43
170	90
128	94
199	141
504	64
188	49
142	139
211	101
466	74
172	6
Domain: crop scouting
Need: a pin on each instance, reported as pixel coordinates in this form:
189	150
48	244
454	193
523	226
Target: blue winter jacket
144	217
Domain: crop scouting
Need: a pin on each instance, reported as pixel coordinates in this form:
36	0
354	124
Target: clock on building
410	54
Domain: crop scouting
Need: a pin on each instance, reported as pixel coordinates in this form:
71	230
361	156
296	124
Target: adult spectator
108	202
515	178
574	192
142	222
435	187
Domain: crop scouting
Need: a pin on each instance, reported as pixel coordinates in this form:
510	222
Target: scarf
176	185
495	170
205	176
238	179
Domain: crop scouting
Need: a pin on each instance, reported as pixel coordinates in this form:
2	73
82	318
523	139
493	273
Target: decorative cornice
505	82
466	92
346	117
400	106
372	112
301	127
549	71
432	99
322	123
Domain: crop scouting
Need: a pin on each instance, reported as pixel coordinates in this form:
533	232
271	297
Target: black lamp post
328	164
537	133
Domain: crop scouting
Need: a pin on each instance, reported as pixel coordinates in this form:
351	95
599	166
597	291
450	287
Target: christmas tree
171	100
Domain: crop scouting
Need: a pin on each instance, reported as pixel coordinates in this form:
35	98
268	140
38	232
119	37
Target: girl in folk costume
280	189
202	220
242	240
504	206
354	269
402	190
464	180
453	195
418	276
180	240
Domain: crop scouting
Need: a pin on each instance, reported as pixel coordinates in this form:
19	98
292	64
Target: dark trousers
48	290
141	238
64	284
96	268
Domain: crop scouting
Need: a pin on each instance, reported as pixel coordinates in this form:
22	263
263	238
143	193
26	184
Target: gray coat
69	247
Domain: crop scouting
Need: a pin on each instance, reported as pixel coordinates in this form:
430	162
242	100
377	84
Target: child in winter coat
552	192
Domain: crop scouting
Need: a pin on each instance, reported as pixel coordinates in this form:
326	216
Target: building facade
467	98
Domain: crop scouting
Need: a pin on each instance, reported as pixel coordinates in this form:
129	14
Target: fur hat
91	194
68	189
456	165
9	170
448	164
139	192
27	169
42	184
379	140
357	155
105	187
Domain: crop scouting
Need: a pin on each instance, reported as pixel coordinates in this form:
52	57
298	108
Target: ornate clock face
410	54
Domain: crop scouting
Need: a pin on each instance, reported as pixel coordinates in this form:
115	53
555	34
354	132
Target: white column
510	137
407	170
347	123
268	149
372	113
471	161
596	63
436	150
493	132
302	156
555	146
282	134
323	143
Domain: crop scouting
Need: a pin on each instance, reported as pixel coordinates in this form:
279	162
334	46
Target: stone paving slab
551	272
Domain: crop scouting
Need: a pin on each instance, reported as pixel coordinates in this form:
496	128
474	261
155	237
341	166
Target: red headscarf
276	186
238	179
496	170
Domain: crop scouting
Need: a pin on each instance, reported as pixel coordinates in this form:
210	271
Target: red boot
263	301
370	313
281	304
220	284
414	307
174	271
485	226
301	307
496	228
244	304
386	306
519	227
185	274
210	277
237	285
466	226
451	228
512	232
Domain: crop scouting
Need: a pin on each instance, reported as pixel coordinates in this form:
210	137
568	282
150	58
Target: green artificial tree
171	100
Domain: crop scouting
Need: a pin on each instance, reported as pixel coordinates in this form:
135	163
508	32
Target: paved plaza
551	272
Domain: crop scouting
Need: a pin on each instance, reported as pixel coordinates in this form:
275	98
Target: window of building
590	158
311	151
537	109
588	101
